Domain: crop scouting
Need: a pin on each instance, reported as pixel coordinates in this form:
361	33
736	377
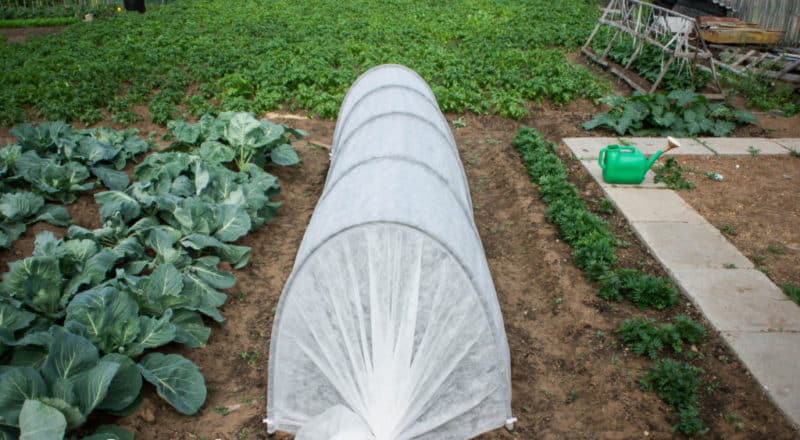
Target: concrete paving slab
689	245
741	146
650	145
739	299
772	360
594	169
589	148
653	205
793	144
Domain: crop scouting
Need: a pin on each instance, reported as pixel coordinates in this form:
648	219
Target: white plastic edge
510	423
271	428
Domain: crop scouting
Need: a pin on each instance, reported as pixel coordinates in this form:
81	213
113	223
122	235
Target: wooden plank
630	82
593	57
744	57
788	69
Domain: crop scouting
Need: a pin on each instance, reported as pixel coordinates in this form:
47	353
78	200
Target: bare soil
756	206
570	376
20	35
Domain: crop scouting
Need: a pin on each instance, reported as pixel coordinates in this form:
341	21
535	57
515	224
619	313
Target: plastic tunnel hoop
389	326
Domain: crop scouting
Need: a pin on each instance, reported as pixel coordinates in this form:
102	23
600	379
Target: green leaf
682	97
111	178
184	132
20	206
91	386
284	155
110	432
206	268
36	281
69	356
177	380
56	215
242	130
13	319
156	332
234	223
113	203
165	280
106	316
126	385
38	421
16	386
215	152
189	329
204	298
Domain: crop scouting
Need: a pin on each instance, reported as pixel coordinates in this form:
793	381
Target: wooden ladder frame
648	24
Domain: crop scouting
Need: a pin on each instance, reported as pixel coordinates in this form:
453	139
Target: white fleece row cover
389	327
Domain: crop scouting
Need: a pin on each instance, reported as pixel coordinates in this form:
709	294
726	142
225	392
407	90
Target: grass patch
37	22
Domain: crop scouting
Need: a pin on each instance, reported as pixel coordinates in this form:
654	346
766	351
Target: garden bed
570	375
756	206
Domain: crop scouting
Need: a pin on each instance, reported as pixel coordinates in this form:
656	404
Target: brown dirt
570	377
756	206
20	35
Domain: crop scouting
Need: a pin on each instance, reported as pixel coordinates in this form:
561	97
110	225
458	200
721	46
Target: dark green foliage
649	61
592	241
55	162
792	291
93	308
764	93
644	337
677	384
677	113
483	57
672	174
37	22
642	289
24	10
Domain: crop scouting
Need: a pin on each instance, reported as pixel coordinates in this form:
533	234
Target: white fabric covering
389	327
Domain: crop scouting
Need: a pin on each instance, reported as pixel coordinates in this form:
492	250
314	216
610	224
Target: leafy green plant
239	137
727	229
649	62
642	289
56	161
792	291
753	151
677	383
480	57
645	337
764	93
106	300
671	173
593	243
677	113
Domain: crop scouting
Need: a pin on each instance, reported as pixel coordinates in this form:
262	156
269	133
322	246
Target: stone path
755	318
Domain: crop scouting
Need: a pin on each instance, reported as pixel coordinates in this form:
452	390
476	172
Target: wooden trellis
675	34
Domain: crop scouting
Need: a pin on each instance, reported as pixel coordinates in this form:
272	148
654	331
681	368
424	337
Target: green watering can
626	164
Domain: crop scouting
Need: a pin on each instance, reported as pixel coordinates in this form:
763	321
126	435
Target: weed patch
677	384
671	173
646	338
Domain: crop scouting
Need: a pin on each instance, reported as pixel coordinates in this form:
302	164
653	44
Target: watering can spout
671	143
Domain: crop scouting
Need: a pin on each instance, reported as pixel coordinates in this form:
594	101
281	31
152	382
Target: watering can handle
602	159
